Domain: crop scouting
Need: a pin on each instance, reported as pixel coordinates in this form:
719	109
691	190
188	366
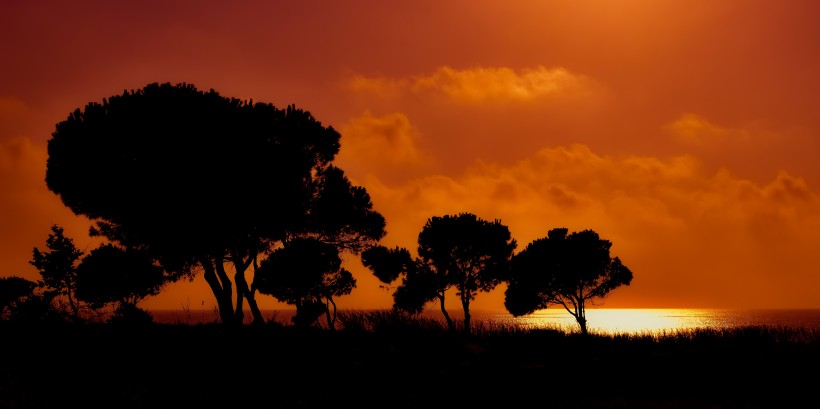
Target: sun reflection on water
654	321
634	321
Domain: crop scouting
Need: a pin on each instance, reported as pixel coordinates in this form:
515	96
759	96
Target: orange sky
684	131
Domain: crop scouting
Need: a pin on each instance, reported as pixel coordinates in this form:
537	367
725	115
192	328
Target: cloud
14	115
753	149
480	84
687	233
379	144
692	129
28	208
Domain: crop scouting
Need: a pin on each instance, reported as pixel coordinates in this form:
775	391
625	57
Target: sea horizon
599	320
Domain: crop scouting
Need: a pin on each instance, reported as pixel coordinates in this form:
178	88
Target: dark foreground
178	366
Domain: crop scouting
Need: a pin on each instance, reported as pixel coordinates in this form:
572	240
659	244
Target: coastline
605	320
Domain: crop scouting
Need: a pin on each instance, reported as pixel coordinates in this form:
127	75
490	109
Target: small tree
306	273
58	269
113	275
471	253
14	291
570	270
419	284
460	251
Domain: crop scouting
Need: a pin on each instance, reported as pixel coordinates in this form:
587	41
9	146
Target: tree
206	183
57	267
470	253
570	270
419	284
13	292
459	251
25	301
306	273
114	275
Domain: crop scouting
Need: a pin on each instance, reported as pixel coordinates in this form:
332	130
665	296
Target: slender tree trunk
465	304
75	309
331	322
581	316
239	312
250	294
227	292
450	324
258	319
220	288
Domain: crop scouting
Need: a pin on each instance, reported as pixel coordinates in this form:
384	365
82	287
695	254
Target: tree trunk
331	322
75	309
465	304
258	319
227	293
582	317
250	294
220	288
583	323
450	325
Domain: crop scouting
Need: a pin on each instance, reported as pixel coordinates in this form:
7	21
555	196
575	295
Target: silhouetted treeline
183	182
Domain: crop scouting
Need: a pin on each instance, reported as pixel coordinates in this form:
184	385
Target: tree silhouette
419	284
113	275
306	273
470	253
58	269
29	302
564	269
459	251
206	183
13	292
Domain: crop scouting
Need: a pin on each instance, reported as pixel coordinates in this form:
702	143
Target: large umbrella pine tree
206	183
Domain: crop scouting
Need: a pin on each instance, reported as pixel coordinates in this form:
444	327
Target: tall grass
392	322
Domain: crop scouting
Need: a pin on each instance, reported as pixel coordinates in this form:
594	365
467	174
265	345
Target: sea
599	320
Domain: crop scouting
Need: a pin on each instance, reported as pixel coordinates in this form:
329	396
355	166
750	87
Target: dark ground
167	366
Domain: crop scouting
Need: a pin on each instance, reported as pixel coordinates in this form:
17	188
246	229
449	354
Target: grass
381	359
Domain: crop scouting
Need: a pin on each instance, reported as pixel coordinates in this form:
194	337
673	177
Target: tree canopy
13	292
470	253
459	251
564	269
418	283
306	273
201	180
58	268
113	275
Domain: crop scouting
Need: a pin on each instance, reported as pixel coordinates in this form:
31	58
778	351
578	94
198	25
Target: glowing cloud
379	142
670	220
695	130
480	84
28	209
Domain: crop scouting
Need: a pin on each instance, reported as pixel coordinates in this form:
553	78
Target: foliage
570	270
459	251
13	292
342	214
58	269
467	252
206	183
130	315
306	273
24	301
111	274
419	285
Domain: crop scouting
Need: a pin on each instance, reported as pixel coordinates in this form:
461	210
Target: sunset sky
685	131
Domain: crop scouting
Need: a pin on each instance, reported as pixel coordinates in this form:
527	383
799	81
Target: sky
686	132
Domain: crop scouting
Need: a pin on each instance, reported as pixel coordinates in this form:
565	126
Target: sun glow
623	320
